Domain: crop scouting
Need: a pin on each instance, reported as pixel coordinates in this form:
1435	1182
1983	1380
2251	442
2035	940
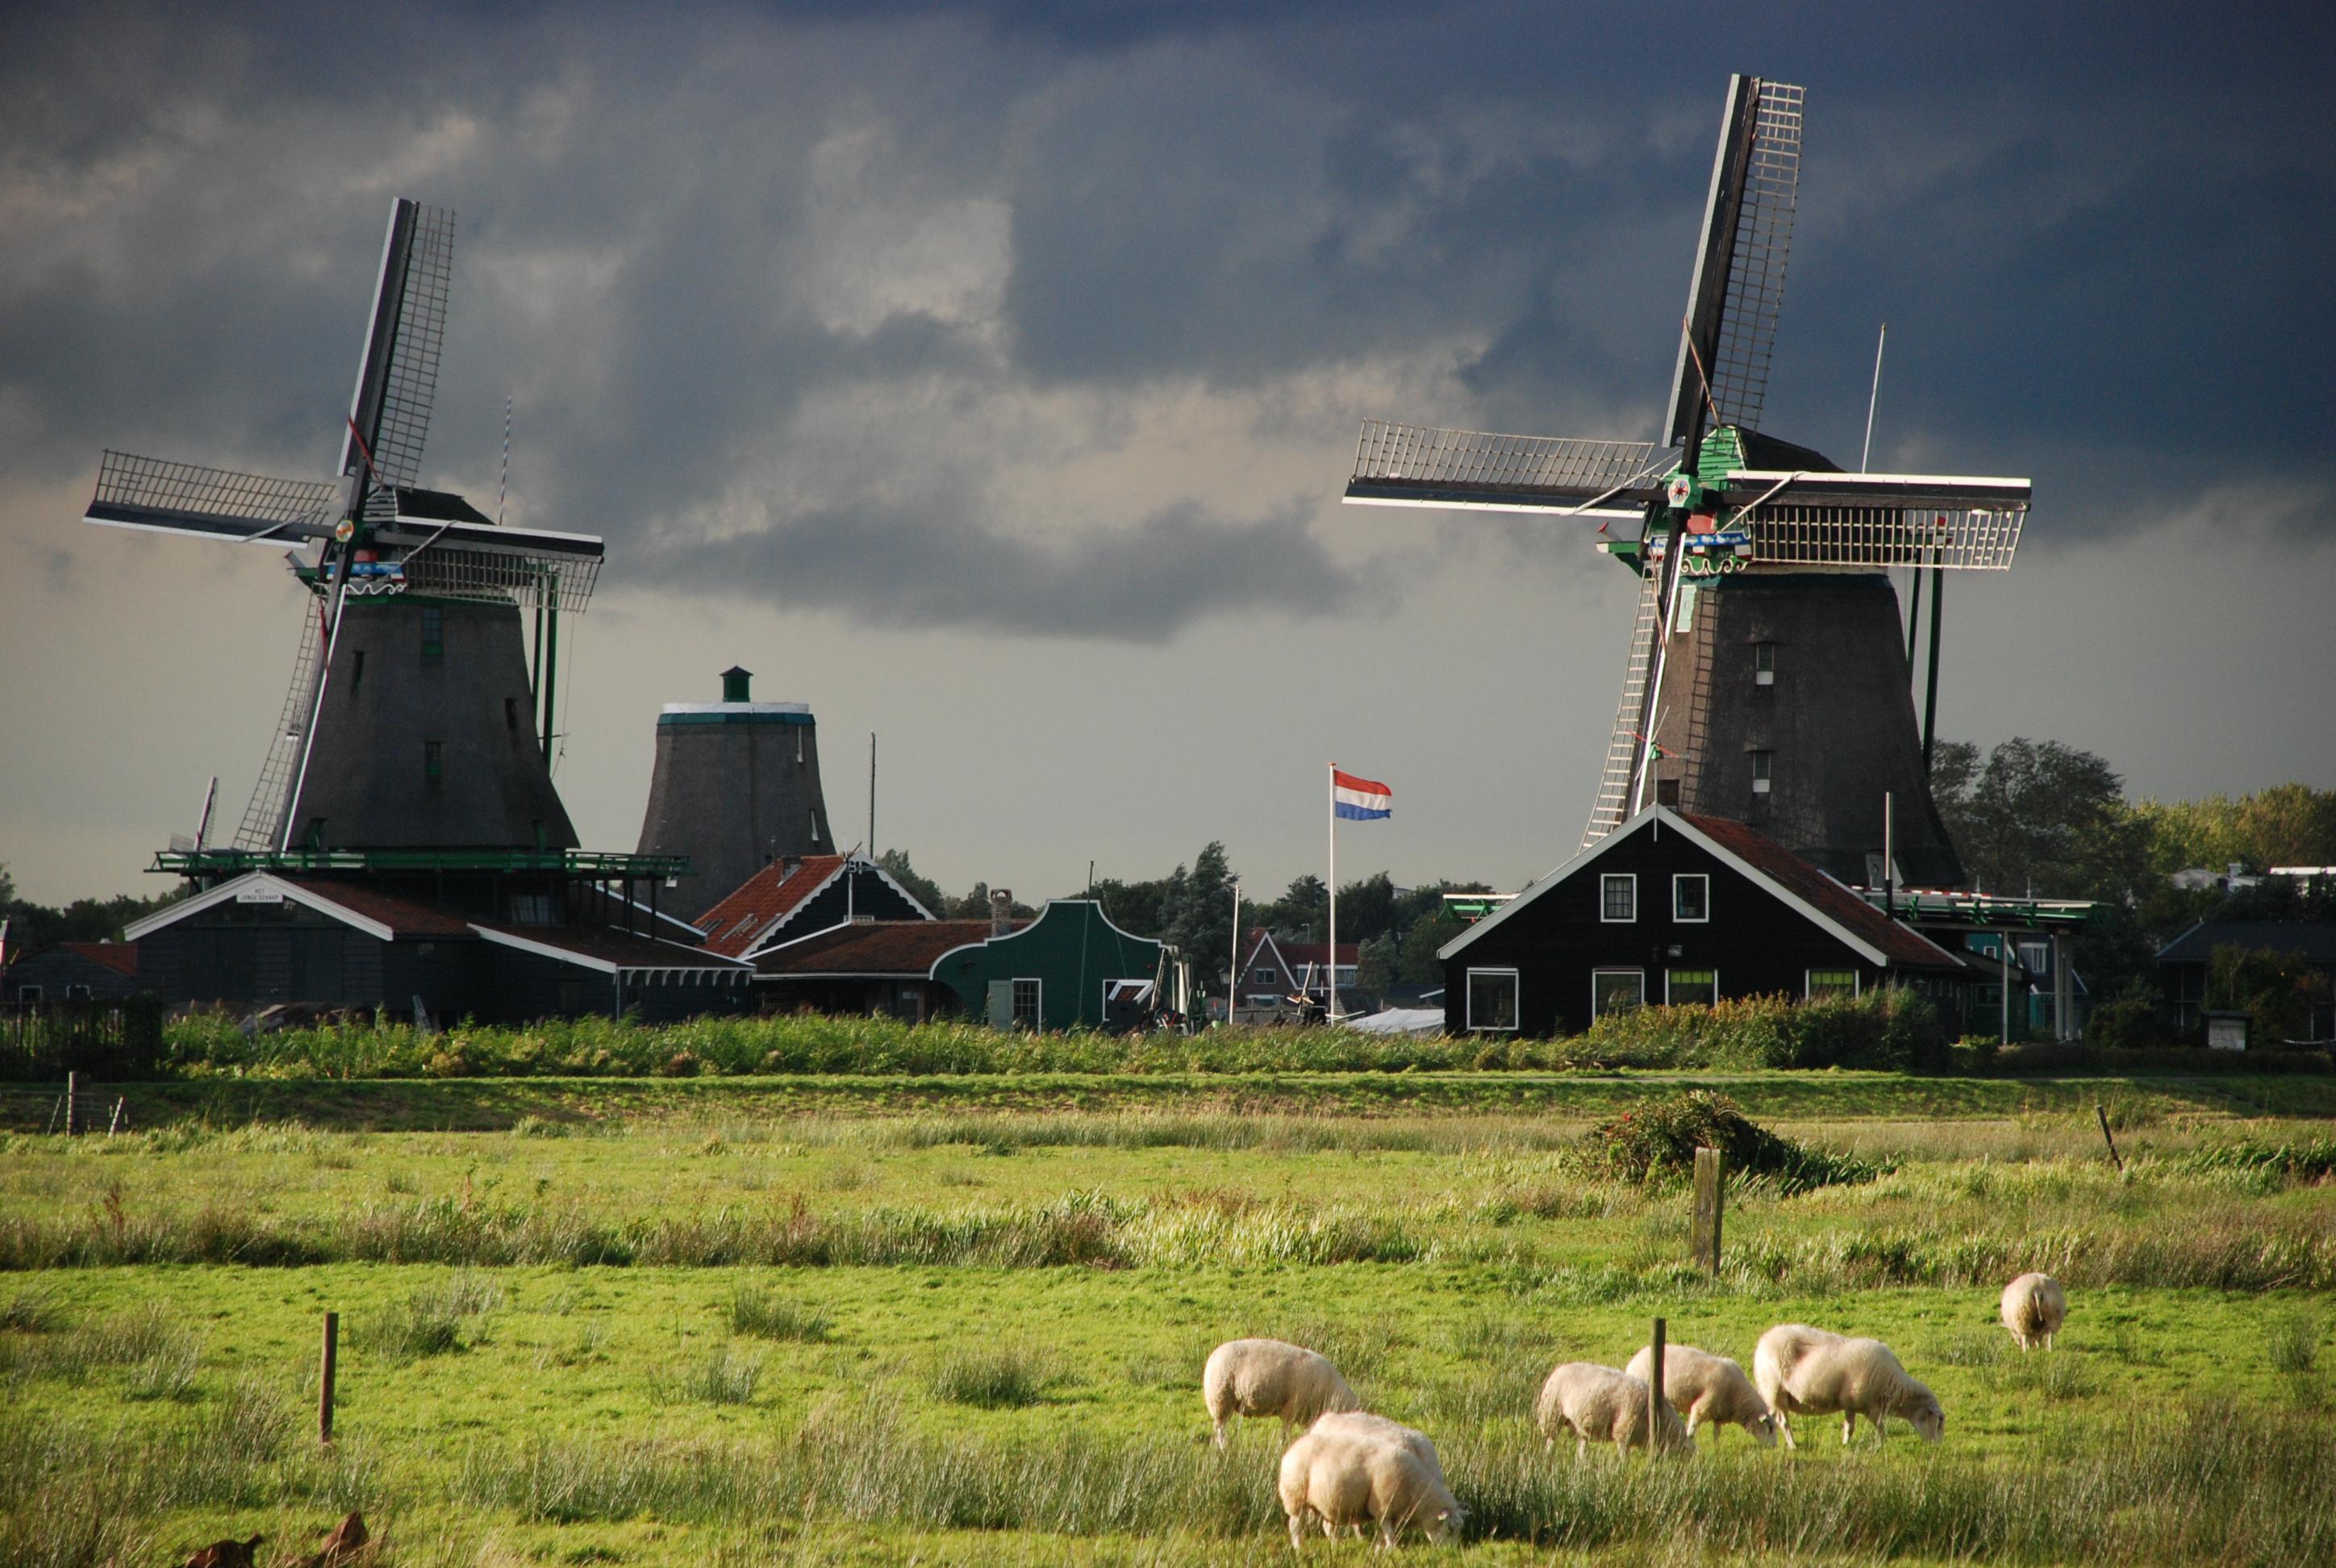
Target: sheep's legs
1848	1424
1785	1428
1297	1531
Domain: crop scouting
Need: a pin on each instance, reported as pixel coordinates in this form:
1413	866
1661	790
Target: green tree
1367	909
2041	818
1200	921
1419	966
1303	912
1376	963
927	893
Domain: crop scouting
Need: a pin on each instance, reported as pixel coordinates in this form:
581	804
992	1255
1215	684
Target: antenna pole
871	793
1930	701
502	485
1330	799
1864	460
1889	858
548	670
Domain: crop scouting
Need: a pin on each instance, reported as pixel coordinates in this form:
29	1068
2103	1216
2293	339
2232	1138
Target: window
1691	897
77	993
433	634
1261	977
1618	897
357	673
530	909
433	760
1616	991
1763	762
28	993
1764	664
1683	622
1492	1000
2035	958
1690	988
815	826
1027	995
1832	983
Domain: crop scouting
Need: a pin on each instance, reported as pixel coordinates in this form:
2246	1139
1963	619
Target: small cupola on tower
734	684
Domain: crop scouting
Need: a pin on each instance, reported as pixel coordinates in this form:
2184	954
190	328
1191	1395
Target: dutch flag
1359	799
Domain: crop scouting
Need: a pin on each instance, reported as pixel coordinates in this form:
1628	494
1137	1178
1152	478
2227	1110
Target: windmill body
1767	679
414	720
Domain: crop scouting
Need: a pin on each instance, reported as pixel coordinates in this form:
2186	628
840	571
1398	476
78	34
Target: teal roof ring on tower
736	786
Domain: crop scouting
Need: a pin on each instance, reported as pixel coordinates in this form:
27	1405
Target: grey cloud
1141	583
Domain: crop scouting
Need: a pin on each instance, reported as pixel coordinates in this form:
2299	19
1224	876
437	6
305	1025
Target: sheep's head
1445	1525
1763	1427
1927	1418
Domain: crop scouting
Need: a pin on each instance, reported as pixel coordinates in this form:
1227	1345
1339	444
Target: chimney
1001	911
734	684
789	865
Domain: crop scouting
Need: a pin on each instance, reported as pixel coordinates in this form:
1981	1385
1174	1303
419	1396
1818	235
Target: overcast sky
986	376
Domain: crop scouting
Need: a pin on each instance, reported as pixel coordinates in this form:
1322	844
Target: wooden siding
1756	943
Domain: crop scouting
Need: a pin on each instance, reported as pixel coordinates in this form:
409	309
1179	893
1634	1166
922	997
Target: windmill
1766	679
412	718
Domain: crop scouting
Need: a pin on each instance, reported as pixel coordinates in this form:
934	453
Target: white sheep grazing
1601	1404
1806	1372
2034	1309
1363	1423
1709	1390
1268	1378
1341	1478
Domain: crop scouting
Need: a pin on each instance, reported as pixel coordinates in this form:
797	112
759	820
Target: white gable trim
1726	857
762	939
706	962
228	892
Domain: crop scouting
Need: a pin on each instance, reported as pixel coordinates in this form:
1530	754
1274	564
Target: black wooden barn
1675	909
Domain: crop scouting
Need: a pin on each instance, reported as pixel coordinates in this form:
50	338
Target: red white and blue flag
1359	799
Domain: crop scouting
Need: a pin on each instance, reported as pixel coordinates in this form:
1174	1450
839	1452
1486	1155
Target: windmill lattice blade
1613	802
413	381
1960	538
1755	272
1412	465
213	502
262	829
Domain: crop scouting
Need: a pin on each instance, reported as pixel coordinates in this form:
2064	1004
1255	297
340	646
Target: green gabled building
1068	968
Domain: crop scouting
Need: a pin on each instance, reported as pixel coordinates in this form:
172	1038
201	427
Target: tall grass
992	1377
1883	1029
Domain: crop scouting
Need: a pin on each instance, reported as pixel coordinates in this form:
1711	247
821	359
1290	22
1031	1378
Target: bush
1891	1029
1659	1137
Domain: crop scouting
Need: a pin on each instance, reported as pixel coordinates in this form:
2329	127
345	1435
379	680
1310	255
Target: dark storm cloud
1141	584
2101	240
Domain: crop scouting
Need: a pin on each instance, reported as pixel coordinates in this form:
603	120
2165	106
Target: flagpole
1331	992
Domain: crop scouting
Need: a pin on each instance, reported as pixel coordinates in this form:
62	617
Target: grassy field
851	1321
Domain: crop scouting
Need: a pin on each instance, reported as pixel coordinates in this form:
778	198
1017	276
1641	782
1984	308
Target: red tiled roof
1836	902
403	919
121	957
906	947
763	899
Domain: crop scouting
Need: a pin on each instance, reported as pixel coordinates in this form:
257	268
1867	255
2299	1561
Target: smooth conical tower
737	787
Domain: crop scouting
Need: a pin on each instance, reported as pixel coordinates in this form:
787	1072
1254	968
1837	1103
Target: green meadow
849	1320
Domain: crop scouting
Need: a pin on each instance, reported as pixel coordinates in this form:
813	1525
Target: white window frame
1603	918
1702	919
1615	969
1037	1008
1764	664
31	995
80	994
1516	1003
1764	769
1714	973
1809	986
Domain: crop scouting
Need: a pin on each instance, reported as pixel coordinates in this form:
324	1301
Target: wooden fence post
1655	1386
1710	1183
2102	1111
324	1378
73	1103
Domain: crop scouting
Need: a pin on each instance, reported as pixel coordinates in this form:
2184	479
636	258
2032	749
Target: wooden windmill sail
413	719
1766	677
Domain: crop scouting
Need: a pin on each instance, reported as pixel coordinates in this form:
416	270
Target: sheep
1268	1378
2034	1307
1709	1390
226	1553
1363	1423
1593	1401
1802	1371
1340	1477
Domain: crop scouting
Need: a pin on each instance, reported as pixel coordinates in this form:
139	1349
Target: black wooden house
1676	909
